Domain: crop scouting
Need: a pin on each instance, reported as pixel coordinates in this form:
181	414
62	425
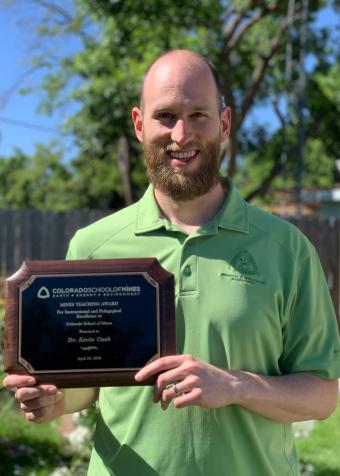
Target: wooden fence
33	234
325	236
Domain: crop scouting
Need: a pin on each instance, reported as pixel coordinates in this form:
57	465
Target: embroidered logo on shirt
244	269
244	263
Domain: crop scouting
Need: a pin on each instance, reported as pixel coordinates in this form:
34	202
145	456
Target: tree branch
232	26
65	17
262	189
279	162
57	9
265	10
123	161
259	72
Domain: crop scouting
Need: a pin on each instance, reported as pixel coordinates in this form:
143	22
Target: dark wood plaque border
97	378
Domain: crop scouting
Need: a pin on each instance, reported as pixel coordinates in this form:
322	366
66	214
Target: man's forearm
288	398
187	380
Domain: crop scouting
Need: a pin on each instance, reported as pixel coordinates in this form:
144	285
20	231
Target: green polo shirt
250	295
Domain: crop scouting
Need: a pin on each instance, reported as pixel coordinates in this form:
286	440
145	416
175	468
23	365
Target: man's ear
225	123
137	119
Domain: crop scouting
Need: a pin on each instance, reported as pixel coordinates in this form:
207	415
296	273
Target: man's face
181	129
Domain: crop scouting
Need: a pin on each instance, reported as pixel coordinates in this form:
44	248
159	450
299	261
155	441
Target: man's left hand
187	380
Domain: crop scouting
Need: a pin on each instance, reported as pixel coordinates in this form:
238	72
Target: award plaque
88	323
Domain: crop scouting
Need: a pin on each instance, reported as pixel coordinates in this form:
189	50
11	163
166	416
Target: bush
28	449
320	450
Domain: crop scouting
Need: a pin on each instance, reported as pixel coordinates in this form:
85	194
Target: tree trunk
263	188
232	150
123	160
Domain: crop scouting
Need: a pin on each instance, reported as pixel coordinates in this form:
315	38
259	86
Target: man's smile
182	158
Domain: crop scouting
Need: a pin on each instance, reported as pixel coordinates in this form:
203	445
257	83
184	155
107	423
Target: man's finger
16	381
188	399
42	402
40	414
165	380
30	393
159	365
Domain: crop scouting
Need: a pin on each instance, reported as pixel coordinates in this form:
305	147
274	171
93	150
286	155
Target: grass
321	447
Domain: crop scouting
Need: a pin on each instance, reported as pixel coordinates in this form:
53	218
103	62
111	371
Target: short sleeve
71	254
73	248
311	340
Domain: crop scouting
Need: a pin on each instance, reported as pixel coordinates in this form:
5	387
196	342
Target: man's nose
181	132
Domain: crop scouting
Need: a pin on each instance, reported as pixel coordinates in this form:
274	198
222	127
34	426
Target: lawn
322	447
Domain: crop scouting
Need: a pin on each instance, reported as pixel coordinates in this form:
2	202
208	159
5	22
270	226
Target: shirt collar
232	216
148	216
234	212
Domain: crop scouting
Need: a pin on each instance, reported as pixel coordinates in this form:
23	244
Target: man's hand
187	380
196	382
40	403
44	403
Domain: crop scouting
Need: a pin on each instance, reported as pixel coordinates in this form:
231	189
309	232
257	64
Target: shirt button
187	271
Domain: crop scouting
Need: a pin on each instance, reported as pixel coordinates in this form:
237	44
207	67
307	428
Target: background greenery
257	47
321	448
36	450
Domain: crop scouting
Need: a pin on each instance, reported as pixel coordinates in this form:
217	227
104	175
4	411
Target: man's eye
165	115
198	115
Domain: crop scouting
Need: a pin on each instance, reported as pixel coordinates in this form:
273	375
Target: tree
247	40
265	157
40	181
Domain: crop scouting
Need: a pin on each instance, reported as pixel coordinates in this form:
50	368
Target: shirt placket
188	268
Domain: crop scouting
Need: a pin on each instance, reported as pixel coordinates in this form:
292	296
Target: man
257	341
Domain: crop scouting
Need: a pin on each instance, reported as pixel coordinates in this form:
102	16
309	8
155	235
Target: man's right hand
40	403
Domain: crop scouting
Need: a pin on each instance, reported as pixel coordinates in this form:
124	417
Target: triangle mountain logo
244	263
43	293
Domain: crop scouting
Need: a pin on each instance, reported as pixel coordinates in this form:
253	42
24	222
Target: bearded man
257	341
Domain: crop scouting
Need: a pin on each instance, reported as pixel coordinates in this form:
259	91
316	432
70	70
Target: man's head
181	125
200	60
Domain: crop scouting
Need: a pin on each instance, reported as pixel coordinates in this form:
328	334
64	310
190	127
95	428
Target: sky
21	125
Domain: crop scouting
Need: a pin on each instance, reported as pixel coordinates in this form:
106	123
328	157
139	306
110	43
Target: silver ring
175	389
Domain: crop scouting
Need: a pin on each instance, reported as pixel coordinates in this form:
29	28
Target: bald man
257	341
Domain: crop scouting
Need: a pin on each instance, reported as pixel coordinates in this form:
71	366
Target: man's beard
180	184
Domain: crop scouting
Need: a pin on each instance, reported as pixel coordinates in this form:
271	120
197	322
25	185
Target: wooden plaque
88	323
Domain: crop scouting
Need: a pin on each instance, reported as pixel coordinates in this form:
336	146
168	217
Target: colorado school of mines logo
43	293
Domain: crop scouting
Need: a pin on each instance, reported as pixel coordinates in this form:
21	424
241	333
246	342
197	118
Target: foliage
116	42
28	449
263	152
35	450
321	447
38	181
